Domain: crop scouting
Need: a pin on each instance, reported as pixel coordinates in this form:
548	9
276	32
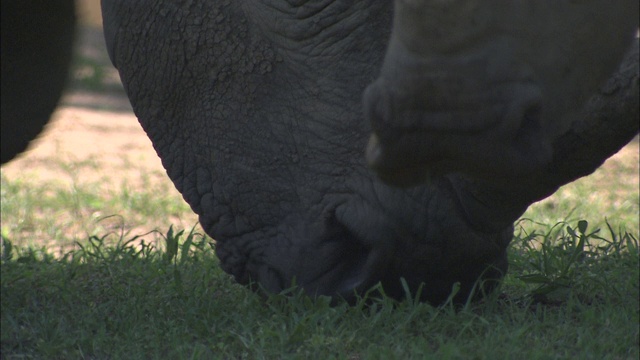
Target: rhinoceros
261	112
469	111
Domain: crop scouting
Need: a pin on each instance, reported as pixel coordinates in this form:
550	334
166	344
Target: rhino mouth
363	246
352	260
347	273
362	243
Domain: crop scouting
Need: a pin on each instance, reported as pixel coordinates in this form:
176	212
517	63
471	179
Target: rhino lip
349	270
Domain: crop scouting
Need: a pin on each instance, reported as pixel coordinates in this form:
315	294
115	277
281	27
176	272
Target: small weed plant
554	263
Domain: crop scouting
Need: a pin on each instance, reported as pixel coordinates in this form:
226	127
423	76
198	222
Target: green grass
96	271
78	283
138	302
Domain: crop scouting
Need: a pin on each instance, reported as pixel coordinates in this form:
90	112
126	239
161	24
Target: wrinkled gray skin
485	86
37	42
255	108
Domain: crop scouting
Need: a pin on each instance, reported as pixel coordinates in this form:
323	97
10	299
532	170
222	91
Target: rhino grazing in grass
256	110
261	112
